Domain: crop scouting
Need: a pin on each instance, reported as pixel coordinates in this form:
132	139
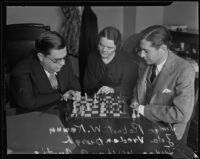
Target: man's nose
62	62
104	48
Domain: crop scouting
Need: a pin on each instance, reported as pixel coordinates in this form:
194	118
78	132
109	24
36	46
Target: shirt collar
48	74
160	66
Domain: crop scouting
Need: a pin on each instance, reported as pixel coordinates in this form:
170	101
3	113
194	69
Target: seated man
108	69
165	88
46	77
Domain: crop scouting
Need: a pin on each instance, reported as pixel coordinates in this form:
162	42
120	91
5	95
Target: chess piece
95	97
78	96
88	107
86	97
138	114
81	110
133	114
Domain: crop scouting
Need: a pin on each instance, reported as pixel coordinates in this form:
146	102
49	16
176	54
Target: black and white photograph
99	79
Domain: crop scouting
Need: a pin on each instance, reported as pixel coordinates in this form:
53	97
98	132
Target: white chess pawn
133	114
95	96
78	96
138	114
82	111
86	96
87	106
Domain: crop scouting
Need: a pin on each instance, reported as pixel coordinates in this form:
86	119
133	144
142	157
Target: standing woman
108	69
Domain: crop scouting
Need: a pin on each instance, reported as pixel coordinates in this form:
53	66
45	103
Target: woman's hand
106	90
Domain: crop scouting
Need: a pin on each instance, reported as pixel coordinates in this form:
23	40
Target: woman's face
106	47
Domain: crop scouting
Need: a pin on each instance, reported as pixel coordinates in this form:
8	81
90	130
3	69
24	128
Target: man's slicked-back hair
49	40
157	35
111	33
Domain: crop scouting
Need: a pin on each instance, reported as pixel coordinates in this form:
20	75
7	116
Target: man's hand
106	90
71	94
135	107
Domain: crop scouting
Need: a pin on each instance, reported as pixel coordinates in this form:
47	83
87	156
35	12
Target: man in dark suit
165	87
45	78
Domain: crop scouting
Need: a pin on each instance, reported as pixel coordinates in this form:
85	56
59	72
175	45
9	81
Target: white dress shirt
48	74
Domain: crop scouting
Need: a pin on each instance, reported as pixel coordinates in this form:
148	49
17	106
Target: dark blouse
120	74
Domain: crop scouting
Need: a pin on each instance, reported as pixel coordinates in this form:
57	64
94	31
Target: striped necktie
53	81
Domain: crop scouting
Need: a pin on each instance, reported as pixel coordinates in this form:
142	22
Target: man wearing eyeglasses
46	78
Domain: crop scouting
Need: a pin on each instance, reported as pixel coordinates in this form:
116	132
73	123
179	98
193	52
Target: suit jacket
172	99
31	87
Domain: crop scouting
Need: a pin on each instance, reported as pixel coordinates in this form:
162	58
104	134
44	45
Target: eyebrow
106	46
60	58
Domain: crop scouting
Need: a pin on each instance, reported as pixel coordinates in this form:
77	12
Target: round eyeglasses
56	61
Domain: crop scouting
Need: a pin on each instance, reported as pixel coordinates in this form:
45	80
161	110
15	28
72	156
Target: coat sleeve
182	103
140	72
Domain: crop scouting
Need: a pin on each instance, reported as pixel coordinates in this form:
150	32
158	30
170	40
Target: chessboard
100	105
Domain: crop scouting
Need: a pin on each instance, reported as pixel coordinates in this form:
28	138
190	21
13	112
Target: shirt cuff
141	109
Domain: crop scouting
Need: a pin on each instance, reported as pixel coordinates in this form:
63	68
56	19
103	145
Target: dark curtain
71	29
88	40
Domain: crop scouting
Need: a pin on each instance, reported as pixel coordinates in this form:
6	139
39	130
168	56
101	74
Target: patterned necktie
153	73
53	81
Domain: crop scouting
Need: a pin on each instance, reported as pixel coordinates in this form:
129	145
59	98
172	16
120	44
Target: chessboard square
87	112
102	114
111	111
72	115
116	114
88	108
95	112
88	115
102	111
95	107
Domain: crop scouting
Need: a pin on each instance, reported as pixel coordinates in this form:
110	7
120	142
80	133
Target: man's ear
163	48
40	56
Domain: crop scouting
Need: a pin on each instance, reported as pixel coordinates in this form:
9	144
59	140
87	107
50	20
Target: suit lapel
39	76
143	83
164	74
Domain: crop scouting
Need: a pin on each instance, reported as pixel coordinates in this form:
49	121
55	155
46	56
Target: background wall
128	19
148	15
182	13
109	16
129	23
49	15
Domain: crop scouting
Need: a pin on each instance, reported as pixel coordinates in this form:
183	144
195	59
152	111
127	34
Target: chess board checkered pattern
101	105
